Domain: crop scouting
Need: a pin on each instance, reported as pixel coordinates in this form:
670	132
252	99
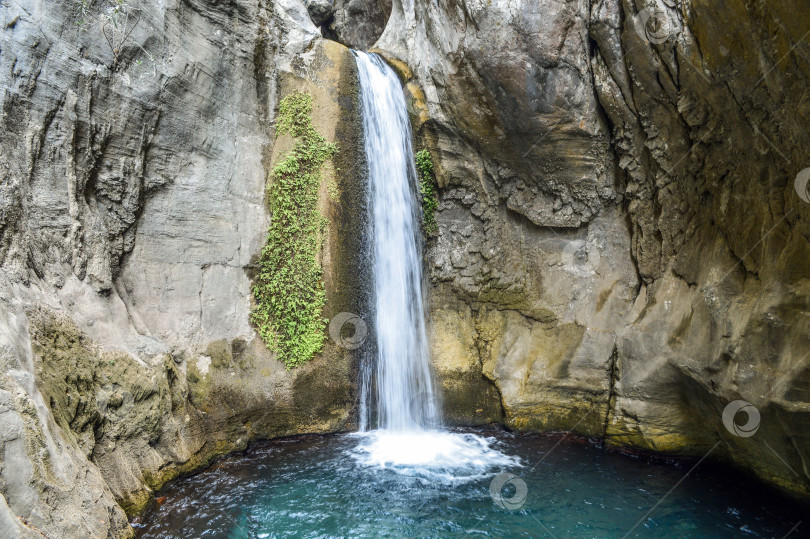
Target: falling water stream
406	398
409	437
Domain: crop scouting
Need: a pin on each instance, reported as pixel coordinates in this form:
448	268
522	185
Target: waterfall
409	439
406	398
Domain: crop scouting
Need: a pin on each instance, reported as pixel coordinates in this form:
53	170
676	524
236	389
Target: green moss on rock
289	289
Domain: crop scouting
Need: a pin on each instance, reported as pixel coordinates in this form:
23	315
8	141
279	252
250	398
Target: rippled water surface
341	486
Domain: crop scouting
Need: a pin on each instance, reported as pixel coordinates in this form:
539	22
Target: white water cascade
409	437
406	399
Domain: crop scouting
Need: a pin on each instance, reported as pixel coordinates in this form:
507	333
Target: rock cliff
622	251
132	212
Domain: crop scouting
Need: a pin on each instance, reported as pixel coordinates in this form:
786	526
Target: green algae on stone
289	288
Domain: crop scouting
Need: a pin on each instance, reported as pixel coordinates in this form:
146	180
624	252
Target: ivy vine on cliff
289	289
427	187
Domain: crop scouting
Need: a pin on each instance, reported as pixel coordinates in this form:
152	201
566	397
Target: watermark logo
338	330
730	415
801	185
652	25
500	495
579	259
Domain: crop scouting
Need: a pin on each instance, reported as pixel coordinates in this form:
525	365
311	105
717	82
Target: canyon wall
622	252
132	215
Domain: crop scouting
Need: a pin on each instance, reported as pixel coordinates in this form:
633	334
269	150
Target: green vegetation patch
428	188
289	288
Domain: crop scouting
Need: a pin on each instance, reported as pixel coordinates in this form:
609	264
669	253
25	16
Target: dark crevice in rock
358	24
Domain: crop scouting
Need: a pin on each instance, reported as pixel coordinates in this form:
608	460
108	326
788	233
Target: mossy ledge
116	411
289	289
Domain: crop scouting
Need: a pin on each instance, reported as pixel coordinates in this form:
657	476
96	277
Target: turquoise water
321	486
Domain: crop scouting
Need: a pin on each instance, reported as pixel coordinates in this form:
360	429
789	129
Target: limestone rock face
621	249
320	10
708	105
532	255
133	169
359	23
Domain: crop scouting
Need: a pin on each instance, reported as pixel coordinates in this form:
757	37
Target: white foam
432	454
